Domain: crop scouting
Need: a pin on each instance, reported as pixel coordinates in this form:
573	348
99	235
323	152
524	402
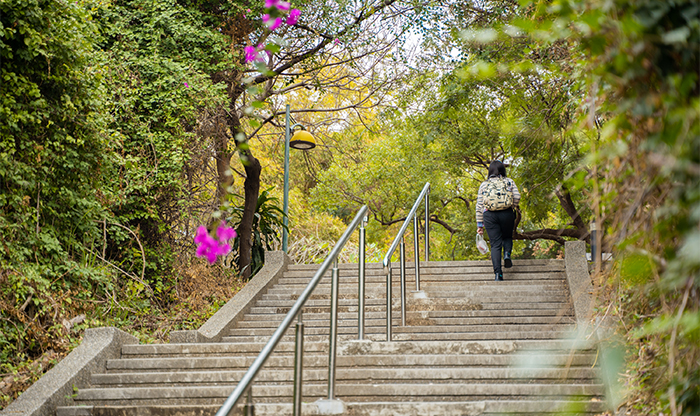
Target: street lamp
301	140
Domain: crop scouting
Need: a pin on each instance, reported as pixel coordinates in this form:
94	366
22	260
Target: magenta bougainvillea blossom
270	4
293	17
251	54
272	23
272	20
210	247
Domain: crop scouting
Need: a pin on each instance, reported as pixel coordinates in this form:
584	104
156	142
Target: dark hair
497	168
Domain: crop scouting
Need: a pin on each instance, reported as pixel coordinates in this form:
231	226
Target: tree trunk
251	189
245	229
568	204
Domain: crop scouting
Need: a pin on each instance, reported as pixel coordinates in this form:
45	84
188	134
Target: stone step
414	319
455	408
466	275
475	336
372	334
472	277
458	267
452	263
418	315
351	328
484	282
282	307
512	303
353	392
213	349
185	363
574	375
379	334
557	308
488	286
325	293
352	347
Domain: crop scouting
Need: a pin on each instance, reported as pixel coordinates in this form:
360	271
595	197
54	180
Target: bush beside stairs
471	346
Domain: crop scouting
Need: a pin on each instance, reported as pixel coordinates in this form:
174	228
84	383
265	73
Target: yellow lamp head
302	140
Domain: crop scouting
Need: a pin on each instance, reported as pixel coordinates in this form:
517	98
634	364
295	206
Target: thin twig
134	277
143	253
38	197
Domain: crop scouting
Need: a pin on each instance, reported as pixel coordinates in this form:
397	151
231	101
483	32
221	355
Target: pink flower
293	17
270	3
337	41
209	247
250	54
272	24
186	85
283	5
225	233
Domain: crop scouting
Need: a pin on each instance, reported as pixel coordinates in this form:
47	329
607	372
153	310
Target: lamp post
301	140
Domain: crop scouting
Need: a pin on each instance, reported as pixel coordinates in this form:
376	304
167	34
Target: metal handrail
296	309
399	240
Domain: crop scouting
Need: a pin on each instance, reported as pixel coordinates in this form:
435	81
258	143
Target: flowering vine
278	12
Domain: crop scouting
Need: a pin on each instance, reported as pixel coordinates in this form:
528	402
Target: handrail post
361	283
402	252
332	342
416	249
388	302
427	226
249	407
298	366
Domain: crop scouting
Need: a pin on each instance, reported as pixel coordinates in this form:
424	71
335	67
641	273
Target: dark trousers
499	226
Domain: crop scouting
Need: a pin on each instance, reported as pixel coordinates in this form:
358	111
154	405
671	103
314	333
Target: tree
508	98
522	120
326	37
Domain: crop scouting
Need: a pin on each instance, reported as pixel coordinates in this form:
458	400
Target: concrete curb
580	285
218	325
606	340
55	388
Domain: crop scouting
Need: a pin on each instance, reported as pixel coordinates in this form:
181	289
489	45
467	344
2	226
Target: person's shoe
499	277
507	262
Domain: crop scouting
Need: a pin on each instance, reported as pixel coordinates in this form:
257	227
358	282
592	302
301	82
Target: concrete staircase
471	346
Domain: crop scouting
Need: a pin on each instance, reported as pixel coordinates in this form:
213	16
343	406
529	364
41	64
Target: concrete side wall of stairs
57	386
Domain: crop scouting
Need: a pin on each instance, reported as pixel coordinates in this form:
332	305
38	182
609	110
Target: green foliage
636	63
51	156
49	119
99	109
156	56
